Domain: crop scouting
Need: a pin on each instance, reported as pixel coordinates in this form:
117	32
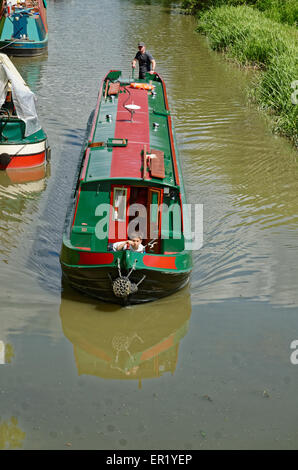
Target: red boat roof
127	161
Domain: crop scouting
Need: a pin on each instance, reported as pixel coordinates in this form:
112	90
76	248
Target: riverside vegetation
263	34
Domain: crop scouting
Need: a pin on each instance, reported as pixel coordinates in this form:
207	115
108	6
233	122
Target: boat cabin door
124	196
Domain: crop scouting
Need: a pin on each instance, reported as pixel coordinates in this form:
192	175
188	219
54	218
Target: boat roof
119	140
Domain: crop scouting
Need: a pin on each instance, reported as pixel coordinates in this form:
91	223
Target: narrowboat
129	185
23	143
23	27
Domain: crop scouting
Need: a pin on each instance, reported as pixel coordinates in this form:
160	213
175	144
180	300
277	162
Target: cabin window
119	204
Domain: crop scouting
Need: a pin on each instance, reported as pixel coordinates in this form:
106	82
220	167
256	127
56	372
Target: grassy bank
282	11
252	39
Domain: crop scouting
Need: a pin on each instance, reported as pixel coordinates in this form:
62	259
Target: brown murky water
206	368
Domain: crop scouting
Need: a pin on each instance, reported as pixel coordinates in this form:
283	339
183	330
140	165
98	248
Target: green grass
250	38
273	92
282	11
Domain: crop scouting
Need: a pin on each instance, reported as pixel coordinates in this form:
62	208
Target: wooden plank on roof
157	164
114	88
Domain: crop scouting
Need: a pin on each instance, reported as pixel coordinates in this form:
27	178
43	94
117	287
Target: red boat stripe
157	349
43	14
96	258
74	217
27	161
171	133
152	261
173	151
127	161
83	173
94	350
96	111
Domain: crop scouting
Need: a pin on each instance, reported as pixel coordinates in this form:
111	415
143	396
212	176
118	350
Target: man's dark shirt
144	63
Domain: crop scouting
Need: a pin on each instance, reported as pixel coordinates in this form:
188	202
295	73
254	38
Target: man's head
142	47
136	240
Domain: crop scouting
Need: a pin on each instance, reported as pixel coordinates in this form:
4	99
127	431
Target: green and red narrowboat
23	143
23	27
129	163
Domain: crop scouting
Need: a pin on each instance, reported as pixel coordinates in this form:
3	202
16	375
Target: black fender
5	159
48	154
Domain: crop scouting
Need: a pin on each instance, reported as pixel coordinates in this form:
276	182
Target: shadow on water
45	252
136	342
159	3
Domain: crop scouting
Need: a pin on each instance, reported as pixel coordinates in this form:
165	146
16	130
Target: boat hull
22	156
24	49
97	283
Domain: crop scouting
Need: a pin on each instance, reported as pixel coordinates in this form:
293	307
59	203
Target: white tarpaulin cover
23	98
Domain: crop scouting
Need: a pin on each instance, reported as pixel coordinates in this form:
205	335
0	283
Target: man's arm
153	64
134	62
121	245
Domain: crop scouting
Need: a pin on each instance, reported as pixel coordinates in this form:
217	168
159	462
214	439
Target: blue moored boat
23	27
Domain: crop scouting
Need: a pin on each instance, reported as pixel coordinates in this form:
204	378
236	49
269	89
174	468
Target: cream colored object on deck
23	97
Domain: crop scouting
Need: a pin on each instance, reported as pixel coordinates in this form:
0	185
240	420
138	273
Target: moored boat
23	143
23	27
129	185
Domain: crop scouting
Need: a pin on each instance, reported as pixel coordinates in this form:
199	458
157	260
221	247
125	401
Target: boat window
119	204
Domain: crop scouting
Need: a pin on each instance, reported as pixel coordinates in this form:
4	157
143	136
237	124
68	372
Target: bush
196	6
273	93
283	11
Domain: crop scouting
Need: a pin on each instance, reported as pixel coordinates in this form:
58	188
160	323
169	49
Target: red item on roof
156	164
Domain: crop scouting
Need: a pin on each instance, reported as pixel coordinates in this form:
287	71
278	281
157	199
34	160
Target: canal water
209	367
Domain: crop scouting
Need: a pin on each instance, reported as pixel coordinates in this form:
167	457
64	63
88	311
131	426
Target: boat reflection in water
20	191
6	352
134	343
27	175
24	181
11	435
